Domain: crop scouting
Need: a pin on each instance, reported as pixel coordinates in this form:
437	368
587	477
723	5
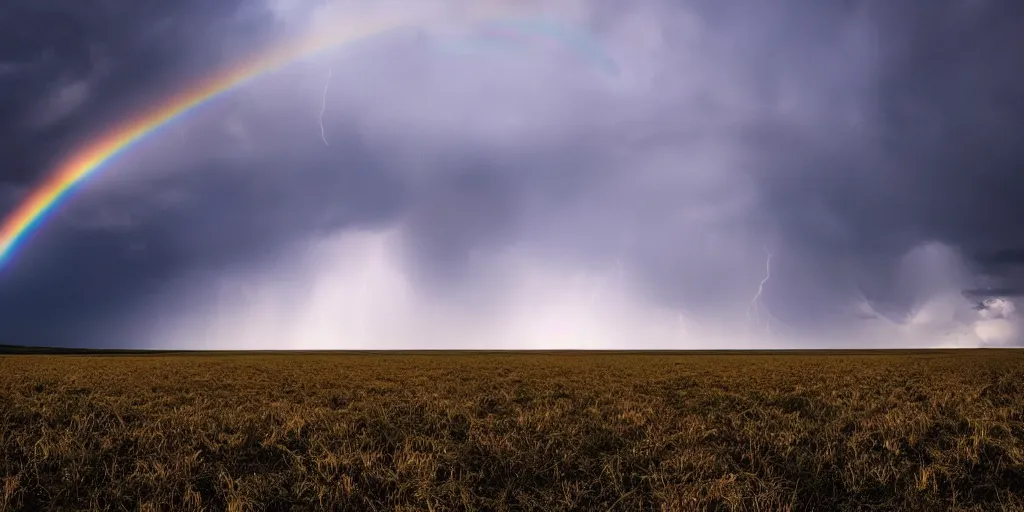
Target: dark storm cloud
953	103
97	258
74	66
838	136
934	157
66	69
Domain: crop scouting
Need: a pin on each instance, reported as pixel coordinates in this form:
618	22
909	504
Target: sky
792	174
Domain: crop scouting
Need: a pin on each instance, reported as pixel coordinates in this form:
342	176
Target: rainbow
91	159
94	156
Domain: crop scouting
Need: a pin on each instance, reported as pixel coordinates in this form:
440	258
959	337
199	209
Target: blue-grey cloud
867	146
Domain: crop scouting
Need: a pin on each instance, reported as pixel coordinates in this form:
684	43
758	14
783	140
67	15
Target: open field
937	430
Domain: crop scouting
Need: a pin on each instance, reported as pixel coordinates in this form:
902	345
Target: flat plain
886	430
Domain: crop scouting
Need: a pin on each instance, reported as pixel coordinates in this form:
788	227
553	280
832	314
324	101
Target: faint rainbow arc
90	159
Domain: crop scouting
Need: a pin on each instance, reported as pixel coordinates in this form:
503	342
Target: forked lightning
323	105
755	303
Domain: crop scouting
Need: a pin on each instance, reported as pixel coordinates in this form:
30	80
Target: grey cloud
834	136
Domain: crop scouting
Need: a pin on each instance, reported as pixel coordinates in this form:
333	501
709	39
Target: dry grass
924	431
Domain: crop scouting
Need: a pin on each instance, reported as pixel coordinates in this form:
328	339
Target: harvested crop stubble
504	431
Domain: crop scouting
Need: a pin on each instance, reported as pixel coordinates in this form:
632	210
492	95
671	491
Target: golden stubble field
514	431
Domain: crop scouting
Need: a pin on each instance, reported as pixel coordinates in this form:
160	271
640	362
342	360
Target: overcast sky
451	186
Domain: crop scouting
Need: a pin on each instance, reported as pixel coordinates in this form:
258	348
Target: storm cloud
527	198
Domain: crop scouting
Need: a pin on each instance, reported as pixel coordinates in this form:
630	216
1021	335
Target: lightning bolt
755	303
323	104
